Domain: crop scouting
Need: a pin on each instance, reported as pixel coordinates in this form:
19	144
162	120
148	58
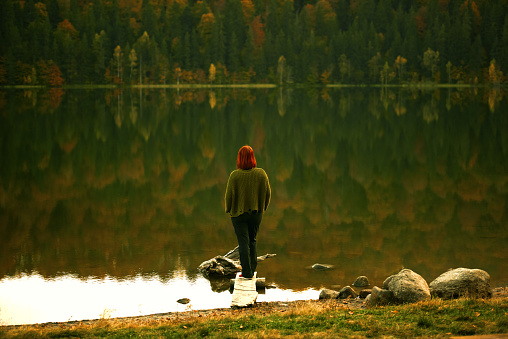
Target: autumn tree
400	62
281	70
431	60
133	61
211	73
118	57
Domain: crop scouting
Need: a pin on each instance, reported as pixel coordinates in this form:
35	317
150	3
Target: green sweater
247	191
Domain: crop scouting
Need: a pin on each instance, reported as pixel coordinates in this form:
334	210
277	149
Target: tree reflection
125	181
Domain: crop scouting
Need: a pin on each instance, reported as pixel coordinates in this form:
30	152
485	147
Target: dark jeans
246	228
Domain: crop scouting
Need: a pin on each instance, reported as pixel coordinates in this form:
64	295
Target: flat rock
321	267
245	293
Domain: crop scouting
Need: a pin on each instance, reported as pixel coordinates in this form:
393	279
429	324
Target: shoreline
173	318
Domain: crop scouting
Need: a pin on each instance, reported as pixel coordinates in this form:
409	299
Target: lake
111	198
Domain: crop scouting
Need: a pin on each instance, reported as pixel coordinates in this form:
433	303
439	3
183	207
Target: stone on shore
347	292
328	294
407	287
380	297
364	293
462	282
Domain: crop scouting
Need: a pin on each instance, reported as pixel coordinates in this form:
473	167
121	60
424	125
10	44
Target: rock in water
321	267
459	282
227	265
219	266
361	281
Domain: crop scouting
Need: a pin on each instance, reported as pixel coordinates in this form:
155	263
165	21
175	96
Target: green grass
432	319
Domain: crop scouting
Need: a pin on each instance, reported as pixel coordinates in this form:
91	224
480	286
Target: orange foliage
325	76
43	12
67	27
477	19
421	20
49	73
471	189
326	8
258	32
248	10
132	169
311	14
205	26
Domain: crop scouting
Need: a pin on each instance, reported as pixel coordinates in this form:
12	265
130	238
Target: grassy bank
434	318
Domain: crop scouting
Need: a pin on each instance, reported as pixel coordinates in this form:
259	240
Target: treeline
55	42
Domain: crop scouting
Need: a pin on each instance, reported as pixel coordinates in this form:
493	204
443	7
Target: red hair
246	159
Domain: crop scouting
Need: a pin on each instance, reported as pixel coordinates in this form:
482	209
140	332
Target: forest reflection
131	181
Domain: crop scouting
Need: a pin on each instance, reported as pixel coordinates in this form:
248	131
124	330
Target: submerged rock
459	282
321	267
361	281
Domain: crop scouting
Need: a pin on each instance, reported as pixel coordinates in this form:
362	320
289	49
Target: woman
247	197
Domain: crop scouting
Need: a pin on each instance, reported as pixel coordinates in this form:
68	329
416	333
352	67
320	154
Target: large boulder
407	287
460	282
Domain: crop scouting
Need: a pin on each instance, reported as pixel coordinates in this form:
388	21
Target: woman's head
246	159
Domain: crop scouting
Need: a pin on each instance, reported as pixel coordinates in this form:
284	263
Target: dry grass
317	319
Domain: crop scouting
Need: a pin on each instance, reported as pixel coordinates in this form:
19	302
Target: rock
321	267
326	293
219	266
347	292
183	301
226	265
364	293
407	287
361	281
380	297
474	283
266	256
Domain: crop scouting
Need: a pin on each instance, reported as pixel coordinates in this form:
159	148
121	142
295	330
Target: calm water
110	199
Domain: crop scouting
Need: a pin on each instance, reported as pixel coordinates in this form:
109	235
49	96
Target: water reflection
29	299
120	183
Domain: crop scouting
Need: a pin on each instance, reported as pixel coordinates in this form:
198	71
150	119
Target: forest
283	42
